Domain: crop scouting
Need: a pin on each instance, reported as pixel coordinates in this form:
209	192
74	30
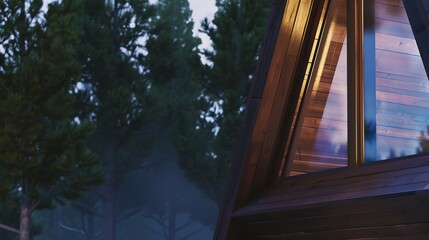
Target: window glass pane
321	129
402	87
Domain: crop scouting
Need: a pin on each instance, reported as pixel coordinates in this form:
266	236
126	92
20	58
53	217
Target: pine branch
10	229
50	193
72	229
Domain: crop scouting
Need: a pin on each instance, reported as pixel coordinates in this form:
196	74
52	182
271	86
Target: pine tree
236	33
174	71
173	62
112	94
43	153
424	142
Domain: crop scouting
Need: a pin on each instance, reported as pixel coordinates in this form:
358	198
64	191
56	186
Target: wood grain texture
379	200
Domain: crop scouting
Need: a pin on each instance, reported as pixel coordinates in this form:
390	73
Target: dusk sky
200	10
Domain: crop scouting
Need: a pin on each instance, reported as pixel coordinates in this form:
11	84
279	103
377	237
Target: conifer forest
115	122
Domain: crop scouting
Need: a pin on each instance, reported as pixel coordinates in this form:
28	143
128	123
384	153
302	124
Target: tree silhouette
424	141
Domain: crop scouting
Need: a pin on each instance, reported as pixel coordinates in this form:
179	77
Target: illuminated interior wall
401	82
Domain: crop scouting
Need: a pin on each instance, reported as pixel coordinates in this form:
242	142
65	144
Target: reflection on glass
402	86
320	140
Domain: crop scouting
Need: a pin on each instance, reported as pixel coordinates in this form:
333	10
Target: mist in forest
148	201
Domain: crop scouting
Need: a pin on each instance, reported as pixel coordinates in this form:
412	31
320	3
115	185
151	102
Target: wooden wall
402	83
385	200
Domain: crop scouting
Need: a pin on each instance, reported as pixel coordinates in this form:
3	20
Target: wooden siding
385	199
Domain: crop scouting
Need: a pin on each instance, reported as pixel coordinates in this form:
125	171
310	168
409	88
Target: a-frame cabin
336	132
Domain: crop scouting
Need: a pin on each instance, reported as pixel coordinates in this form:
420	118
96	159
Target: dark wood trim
355	85
226	226
267	50
224	223
277	85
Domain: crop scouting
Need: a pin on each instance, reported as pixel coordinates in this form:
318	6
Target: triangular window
396	107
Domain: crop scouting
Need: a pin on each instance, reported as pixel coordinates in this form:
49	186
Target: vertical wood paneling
293	69
227	227
261	132
275	70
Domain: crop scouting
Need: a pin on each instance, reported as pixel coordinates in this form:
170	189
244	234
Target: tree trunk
90	231
110	190
172	220
24	219
110	207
